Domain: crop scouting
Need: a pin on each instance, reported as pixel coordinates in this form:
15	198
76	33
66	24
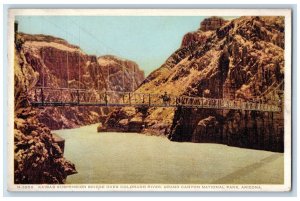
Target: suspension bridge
46	96
43	96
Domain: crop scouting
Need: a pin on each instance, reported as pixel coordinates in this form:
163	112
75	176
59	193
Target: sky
148	41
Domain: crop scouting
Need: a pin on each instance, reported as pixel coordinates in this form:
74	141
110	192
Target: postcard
149	100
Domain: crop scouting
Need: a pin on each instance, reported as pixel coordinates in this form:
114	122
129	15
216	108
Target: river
115	158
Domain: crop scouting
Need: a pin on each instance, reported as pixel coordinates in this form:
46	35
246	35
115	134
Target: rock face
38	159
58	64
212	23
120	74
52	62
238	59
207	28
193	37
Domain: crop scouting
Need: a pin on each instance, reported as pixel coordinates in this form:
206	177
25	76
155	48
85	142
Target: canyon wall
58	64
38	158
238	59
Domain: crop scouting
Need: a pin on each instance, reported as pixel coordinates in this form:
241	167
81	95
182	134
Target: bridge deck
48	97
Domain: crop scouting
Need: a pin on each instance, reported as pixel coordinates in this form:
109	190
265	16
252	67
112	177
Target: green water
108	158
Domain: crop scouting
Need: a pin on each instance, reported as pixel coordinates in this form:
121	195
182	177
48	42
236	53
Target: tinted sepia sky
149	41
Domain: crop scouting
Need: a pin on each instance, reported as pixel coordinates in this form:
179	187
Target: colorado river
108	158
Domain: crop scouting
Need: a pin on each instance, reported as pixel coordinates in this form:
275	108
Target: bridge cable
95	38
79	59
88	33
67	64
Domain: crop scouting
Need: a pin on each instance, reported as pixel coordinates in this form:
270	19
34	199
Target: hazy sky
149	41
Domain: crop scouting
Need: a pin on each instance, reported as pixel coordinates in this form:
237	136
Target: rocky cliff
206	29
212	23
237	59
38	158
58	64
120	74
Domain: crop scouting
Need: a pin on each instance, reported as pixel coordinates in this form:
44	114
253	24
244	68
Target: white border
151	12
154	12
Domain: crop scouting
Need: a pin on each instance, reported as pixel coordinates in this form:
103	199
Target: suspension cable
95	38
67	64
79	61
43	60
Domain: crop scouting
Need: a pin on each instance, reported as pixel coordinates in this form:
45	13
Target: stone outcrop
207	28
38	158
238	59
193	37
212	23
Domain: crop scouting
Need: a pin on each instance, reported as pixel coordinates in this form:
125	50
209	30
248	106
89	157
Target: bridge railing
68	96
